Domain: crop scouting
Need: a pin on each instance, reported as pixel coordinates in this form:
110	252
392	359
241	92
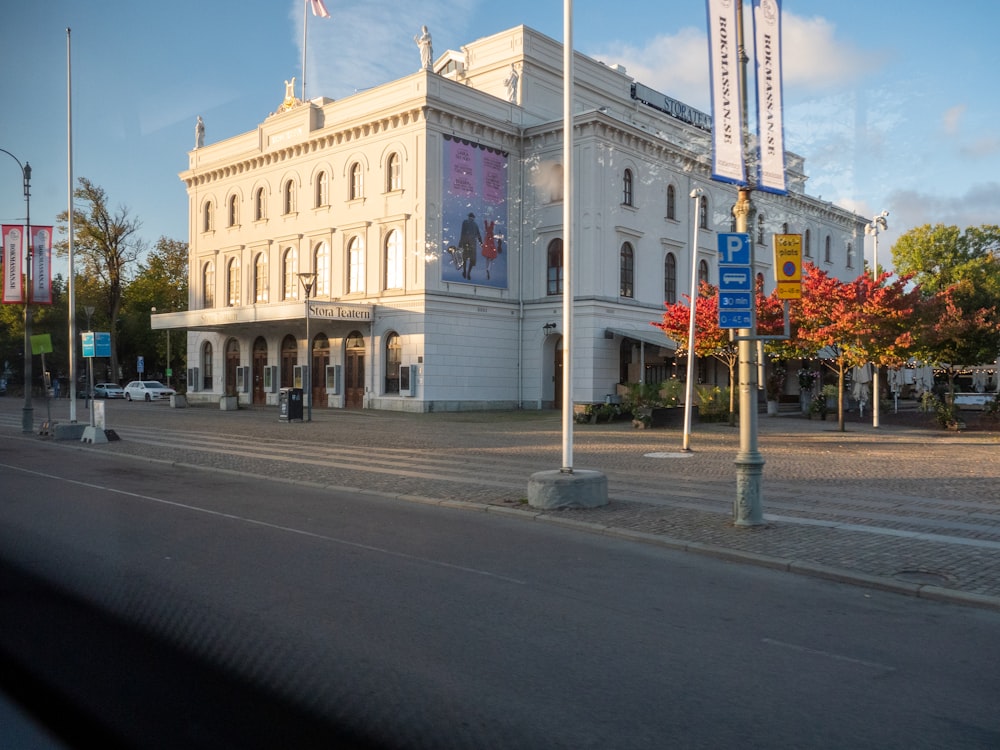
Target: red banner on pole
13	249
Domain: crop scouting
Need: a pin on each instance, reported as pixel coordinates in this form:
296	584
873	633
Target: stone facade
368	193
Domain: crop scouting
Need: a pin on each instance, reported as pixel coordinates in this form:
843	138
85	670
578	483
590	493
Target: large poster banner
474	214
12	251
41	265
770	128
727	100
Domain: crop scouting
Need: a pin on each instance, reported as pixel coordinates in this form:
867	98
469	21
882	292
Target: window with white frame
670	279
355	265
671	202
393	260
289	271
626	285
554	265
260	278
393	173
288	198
233	283
259	205
321	265
356	187
234	211
208	284
322	190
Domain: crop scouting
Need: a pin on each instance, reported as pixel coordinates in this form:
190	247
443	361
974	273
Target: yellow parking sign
788	265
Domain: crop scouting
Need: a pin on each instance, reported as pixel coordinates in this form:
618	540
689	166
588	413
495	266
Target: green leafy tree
964	266
106	246
161	283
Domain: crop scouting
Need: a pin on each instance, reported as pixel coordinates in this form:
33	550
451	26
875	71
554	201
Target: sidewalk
905	507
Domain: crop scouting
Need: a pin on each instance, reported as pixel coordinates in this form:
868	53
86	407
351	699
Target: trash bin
290	404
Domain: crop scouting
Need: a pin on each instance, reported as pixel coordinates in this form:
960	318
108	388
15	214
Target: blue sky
893	104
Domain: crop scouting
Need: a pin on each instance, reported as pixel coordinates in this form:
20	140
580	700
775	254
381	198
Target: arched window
627	186
760	229
393	173
288	198
355	266
703	212
322	197
703	272
208	284
626	286
233	283
289	267
827	253
393	359
356	188
208	217
671	202
234	211
321	265
670	279
259	205
554	265
260	278
807	244
850	255
206	366
393	260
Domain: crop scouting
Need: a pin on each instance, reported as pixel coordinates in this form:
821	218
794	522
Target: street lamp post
689	386
308	279
877	224
27	414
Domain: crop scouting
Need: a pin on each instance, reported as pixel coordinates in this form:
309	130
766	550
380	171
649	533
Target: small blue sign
735	279
87	341
734	301
734	249
140	365
735	319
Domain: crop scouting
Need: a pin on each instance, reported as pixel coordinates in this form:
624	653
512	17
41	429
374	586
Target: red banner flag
13	241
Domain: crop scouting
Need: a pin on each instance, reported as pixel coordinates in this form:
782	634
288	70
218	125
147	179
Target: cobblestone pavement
905	507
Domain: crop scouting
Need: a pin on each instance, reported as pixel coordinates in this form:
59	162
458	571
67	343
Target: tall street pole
877	223
748	509
689	385
308	278
27	413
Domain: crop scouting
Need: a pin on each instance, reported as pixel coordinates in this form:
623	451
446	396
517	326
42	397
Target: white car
147	390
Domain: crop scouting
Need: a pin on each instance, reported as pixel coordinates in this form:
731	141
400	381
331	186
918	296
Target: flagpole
305	26
69	230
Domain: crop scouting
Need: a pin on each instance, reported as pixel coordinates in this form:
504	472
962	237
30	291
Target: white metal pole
69	231
568	350
689	386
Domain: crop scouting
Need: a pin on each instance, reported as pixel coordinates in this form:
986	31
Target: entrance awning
653	336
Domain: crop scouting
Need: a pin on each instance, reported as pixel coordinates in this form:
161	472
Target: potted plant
774	386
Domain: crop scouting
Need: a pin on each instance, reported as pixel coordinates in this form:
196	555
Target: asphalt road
426	627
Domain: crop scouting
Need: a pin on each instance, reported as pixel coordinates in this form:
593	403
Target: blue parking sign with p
734	249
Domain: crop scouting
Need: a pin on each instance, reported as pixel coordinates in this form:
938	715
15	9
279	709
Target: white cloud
815	58
952	119
979	205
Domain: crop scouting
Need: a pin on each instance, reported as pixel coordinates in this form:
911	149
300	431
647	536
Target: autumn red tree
852	323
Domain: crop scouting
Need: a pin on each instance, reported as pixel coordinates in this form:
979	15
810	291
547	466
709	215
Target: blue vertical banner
474	214
727	99
770	124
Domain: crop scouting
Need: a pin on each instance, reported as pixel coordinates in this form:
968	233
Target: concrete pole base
581	488
94	435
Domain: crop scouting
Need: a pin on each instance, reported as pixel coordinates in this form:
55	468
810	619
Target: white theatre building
430	211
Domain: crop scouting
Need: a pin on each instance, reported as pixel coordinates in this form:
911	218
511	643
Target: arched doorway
289	358
259	363
354	371
232	362
320	359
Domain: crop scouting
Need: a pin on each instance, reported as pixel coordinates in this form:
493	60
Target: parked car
108	390
147	390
